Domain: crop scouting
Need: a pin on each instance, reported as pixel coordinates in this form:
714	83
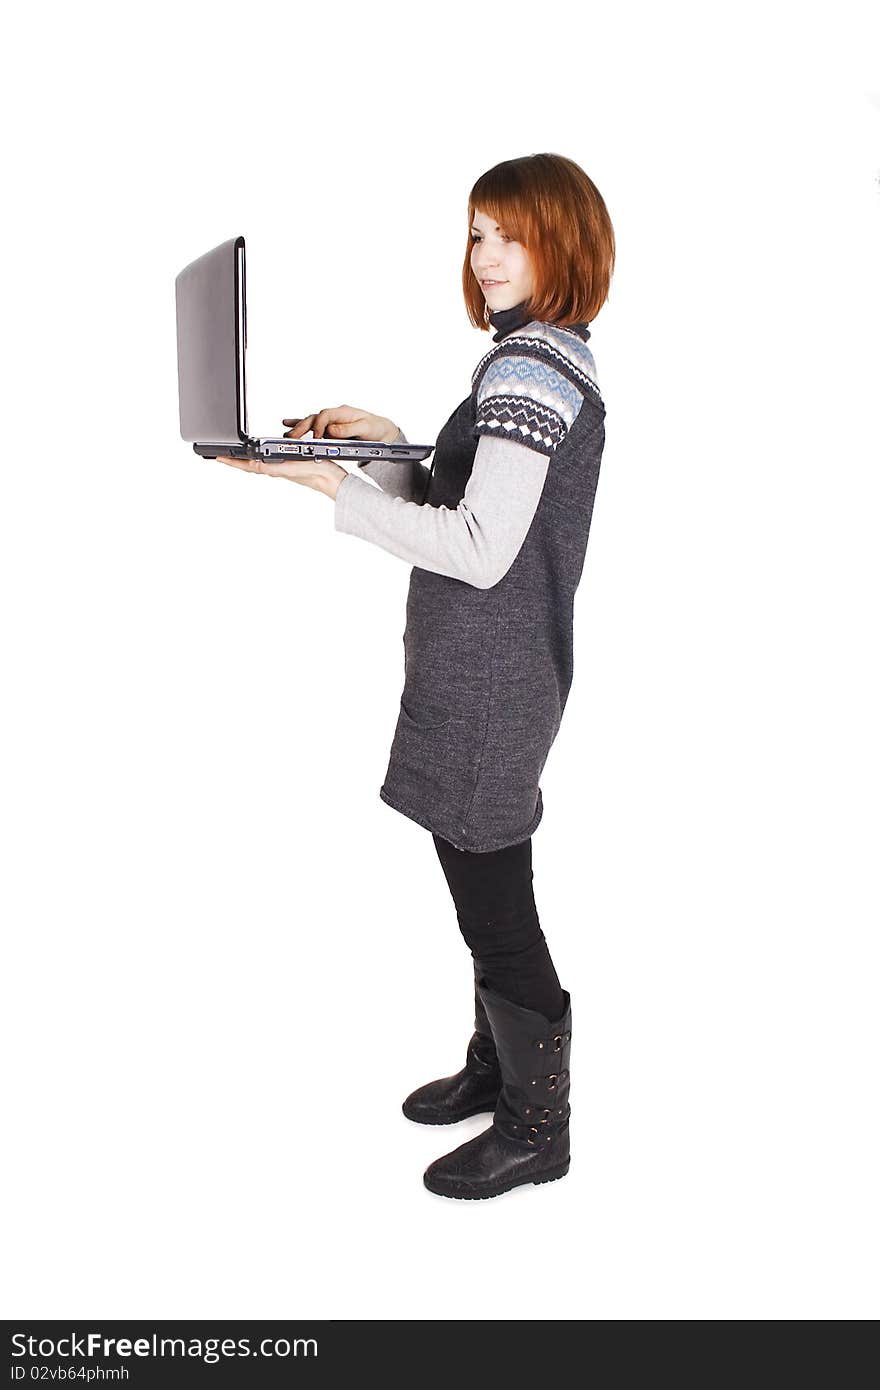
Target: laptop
211	344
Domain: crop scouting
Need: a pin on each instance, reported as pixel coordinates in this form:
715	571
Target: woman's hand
321	474
335	422
344	422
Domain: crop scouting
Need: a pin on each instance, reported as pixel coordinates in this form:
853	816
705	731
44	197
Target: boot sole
465	1115
550	1175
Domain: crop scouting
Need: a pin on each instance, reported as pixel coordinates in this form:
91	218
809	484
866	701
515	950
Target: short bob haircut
548	204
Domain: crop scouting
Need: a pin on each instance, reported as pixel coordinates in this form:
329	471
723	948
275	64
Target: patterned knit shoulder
532	386
557	350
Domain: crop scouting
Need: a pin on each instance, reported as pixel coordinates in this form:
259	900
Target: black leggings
499	921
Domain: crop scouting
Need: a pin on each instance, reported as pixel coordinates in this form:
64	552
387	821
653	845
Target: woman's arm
476	542
406	479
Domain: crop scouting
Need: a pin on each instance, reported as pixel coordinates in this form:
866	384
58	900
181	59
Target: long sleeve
405	478
477	541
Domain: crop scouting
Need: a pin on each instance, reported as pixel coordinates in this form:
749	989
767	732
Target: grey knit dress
487	672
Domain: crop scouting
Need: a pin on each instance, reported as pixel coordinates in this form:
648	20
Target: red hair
548	204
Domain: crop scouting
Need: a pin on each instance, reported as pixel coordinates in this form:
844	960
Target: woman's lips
492	284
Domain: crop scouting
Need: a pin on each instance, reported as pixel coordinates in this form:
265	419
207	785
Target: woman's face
496	257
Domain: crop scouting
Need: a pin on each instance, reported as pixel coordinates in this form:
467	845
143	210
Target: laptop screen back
211	341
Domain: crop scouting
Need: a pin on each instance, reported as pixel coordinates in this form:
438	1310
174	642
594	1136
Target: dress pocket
422	714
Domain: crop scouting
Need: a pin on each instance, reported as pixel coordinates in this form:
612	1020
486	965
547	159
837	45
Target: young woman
497	532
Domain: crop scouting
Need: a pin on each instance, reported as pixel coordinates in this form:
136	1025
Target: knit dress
487	670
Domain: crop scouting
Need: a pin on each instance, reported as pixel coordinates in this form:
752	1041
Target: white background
227	961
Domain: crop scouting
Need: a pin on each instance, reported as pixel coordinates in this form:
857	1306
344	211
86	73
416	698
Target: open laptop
211	344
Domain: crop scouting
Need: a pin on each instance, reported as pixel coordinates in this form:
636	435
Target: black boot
528	1138
470	1091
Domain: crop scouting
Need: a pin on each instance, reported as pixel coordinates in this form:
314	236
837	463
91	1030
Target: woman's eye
479	238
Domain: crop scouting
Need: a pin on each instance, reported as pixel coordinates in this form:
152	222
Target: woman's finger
274	468
300	426
348	429
249	465
334	417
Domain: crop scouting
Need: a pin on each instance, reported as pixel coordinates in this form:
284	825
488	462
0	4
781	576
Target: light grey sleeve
406	479
478	540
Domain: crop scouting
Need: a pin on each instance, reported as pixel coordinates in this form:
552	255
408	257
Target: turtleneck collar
508	320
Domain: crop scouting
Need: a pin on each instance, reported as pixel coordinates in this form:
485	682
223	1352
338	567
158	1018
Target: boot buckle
551	1080
557	1041
533	1130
